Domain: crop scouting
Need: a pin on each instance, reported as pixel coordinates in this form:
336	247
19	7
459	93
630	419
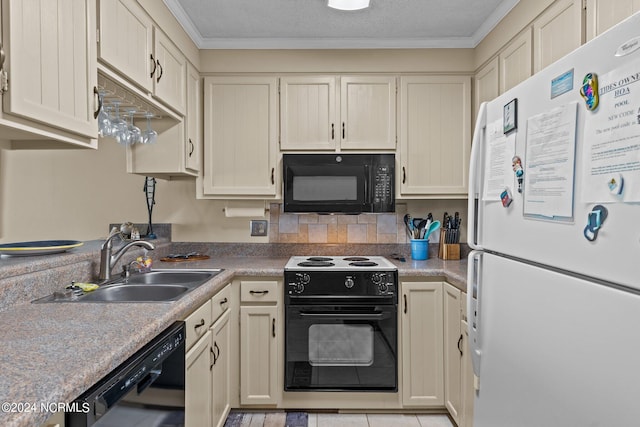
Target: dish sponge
87	287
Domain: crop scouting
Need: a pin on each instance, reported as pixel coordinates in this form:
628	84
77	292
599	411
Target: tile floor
303	419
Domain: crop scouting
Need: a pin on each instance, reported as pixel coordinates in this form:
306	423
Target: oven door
348	347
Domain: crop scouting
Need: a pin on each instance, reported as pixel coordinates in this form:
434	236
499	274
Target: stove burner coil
363	264
356	258
319	258
315	264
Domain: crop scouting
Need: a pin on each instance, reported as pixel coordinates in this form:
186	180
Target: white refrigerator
554	224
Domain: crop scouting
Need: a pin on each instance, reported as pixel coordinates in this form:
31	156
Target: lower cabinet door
422	337
258	355
198	383
220	370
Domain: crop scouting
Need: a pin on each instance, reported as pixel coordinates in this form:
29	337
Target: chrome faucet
109	260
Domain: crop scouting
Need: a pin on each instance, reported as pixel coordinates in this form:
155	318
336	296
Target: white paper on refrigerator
550	163
500	149
612	140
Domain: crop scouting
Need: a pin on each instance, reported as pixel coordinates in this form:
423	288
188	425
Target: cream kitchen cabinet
515	61
221	347
467	377
179	144
49	71
126	41
487	84
556	32
452	351
604	14
368	112
308	113
260	342
198	384
311	119
422	344
435	141
133	46
240	137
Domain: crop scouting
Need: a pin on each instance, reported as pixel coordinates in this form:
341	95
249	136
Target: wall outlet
259	227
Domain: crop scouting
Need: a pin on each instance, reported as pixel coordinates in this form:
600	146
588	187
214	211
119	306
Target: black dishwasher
147	389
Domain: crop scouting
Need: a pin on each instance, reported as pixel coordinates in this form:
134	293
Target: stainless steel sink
135	293
155	286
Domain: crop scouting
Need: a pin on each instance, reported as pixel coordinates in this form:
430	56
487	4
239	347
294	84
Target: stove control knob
303	278
348	282
377	278
383	288
299	288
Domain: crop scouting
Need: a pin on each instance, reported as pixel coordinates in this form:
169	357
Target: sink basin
136	293
155	286
169	277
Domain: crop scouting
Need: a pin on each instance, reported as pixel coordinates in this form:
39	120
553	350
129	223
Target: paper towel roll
245	209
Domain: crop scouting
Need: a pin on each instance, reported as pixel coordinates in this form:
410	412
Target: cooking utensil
431	228
408	222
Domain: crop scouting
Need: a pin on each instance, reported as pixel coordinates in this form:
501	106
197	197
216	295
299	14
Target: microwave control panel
382	191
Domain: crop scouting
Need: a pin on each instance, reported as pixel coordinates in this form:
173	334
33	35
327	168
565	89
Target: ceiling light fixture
348	4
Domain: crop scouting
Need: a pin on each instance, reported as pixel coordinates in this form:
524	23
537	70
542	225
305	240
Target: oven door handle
350	316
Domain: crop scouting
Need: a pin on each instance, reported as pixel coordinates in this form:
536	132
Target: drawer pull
212	353
199	325
258	292
405	302
273	327
224	301
459	342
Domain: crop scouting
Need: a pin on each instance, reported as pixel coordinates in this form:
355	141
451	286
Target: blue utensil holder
419	249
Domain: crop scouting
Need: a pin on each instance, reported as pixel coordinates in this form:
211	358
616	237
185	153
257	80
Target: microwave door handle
367	179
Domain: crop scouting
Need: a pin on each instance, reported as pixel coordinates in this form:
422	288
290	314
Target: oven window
322	188
341	345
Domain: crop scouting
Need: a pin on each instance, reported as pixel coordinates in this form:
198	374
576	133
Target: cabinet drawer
259	291
220	303
198	323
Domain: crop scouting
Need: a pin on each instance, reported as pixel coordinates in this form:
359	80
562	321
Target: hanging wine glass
119	128
149	136
104	121
135	136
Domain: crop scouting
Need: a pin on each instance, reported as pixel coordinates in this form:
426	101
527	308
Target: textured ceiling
289	24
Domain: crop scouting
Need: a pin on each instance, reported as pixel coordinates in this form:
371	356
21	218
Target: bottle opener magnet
594	221
505	196
589	90
516	163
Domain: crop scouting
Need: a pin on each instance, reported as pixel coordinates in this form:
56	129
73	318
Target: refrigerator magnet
510	116
516	163
615	184
595	219
505	197
589	90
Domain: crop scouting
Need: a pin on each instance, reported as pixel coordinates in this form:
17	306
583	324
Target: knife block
448	250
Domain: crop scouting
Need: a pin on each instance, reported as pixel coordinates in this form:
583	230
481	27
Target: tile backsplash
314	228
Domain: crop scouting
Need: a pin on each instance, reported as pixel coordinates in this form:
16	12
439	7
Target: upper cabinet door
515	61
240	136
126	41
193	144
50	48
368	112
487	84
556	32
435	128
308	118
604	14
171	73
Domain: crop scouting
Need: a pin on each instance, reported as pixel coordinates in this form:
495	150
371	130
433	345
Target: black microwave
339	183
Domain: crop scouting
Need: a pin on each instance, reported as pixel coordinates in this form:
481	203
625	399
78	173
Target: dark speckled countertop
54	352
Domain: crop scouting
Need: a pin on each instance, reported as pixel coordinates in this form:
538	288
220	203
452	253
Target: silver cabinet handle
96	93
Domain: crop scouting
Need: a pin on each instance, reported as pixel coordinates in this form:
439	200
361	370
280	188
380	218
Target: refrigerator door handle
474	169
474	291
